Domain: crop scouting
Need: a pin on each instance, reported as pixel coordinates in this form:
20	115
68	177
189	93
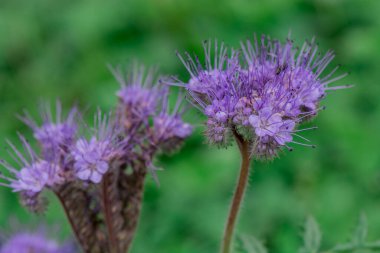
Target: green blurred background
59	49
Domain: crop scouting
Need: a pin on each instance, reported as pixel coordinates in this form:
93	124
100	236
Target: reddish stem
108	217
239	193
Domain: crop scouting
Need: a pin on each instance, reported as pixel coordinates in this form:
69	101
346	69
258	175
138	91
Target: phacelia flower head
92	157
262	94
140	95
145	116
55	133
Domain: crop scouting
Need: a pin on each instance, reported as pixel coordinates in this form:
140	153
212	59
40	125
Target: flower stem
239	193
72	224
108	197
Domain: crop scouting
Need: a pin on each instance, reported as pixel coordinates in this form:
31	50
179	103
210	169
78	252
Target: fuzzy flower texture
261	92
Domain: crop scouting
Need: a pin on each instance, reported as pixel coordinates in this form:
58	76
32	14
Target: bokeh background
59	49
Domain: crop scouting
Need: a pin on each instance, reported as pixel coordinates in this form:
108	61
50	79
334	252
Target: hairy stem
239	193
72	225
83	219
132	187
108	198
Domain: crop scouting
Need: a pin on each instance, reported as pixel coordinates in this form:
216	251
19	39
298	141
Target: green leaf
344	247
250	244
361	230
373	245
312	236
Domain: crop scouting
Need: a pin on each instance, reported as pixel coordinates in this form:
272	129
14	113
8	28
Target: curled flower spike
263	95
54	133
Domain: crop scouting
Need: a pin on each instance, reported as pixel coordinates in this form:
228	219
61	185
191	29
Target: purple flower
145	116
26	243
140	95
92	157
35	177
34	242
35	173
140	100
262	96
55	133
266	123
284	135
169	130
171	126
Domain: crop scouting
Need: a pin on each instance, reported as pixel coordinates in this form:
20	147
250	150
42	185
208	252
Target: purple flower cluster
139	96
144	111
55	133
168	128
92	157
35	175
262	94
65	157
142	126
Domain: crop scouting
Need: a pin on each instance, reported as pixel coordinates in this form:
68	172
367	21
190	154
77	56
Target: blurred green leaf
361	231
250	244
373	245
312	236
343	247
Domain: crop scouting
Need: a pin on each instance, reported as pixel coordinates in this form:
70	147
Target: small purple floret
35	177
54	133
91	159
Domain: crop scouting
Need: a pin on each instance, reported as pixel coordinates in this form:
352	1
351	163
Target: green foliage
249	244
312	240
